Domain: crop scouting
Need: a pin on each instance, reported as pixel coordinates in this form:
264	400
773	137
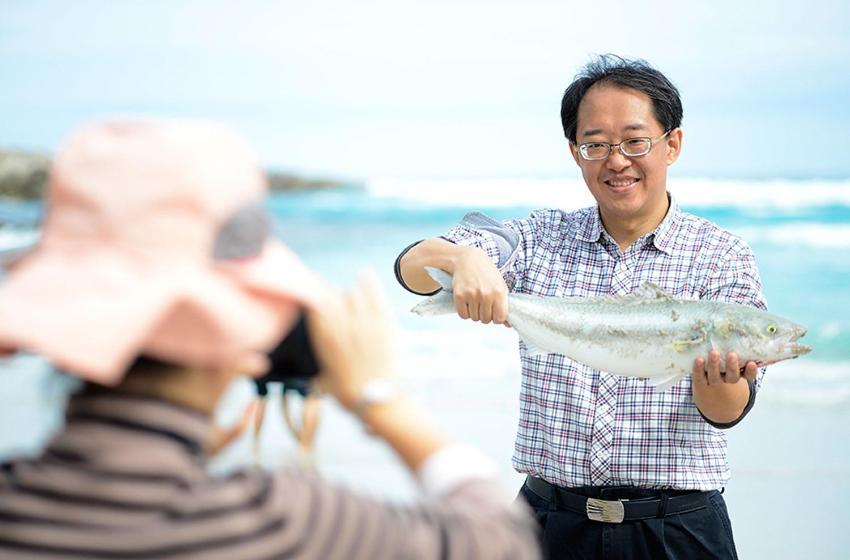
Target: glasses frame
582	148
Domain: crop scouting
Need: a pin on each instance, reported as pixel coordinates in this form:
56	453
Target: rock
23	174
288	182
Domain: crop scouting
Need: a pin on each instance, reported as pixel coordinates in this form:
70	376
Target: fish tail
441	277
443	302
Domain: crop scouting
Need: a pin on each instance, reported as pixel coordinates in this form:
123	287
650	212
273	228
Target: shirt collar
664	234
590	229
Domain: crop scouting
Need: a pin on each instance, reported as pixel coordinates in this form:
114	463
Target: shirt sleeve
506	243
451	466
472	520
734	278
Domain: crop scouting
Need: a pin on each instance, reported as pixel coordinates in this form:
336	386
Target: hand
479	290
715	371
353	337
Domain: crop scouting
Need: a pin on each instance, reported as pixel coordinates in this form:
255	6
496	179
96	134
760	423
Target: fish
648	333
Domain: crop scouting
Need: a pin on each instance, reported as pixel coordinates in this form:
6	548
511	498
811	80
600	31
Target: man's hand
715	371
717	390
480	292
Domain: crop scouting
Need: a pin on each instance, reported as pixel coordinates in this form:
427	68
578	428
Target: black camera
293	362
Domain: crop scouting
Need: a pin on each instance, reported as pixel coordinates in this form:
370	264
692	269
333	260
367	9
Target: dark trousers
565	534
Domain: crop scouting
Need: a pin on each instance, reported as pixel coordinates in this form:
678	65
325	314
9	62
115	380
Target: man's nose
617	161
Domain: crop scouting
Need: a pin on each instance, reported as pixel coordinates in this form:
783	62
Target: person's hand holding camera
352	335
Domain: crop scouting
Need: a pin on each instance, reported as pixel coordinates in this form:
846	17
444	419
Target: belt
617	511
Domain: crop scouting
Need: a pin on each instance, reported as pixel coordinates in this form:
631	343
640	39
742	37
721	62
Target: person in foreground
156	283
614	468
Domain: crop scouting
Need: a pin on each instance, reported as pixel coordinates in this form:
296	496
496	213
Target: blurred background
385	122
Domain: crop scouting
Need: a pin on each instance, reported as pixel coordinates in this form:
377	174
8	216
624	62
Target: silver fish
647	333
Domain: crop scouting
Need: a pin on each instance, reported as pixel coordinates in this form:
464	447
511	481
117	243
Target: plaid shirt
579	426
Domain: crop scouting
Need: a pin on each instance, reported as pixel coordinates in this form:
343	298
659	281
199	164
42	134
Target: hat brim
277	271
93	312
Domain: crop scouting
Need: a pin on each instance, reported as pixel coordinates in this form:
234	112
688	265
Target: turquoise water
803	253
792	449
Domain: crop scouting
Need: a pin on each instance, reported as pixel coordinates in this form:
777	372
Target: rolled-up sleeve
506	243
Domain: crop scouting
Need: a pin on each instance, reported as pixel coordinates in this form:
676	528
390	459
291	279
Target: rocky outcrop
289	182
23	175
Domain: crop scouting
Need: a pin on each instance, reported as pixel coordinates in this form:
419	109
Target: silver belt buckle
607	511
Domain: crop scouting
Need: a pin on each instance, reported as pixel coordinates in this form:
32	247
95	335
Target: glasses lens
595	150
636	146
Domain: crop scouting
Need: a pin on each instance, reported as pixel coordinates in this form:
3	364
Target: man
656	460
157	282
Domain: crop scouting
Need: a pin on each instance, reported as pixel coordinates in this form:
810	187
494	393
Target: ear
674	145
574	152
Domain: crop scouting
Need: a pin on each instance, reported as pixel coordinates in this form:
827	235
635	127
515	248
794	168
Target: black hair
635	74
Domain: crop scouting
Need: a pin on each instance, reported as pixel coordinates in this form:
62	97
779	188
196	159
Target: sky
433	89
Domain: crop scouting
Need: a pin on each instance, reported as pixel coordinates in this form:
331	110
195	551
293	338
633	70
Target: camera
293	362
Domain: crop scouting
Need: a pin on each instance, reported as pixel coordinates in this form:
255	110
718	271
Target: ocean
790	458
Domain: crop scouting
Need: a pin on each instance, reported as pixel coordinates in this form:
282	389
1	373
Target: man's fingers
716	370
699	376
732	376
462	308
751	371
486	313
733	370
500	311
713	369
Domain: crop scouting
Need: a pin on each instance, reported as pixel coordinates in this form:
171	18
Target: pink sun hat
155	242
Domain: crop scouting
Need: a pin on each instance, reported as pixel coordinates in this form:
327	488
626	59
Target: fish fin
651	291
441	277
532	350
686	345
666	382
647	293
442	303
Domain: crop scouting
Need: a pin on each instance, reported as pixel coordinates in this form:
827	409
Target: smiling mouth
621	183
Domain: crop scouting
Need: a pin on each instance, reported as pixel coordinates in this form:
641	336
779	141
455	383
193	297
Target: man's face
626	189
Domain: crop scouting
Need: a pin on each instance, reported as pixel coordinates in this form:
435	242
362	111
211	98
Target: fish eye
771	329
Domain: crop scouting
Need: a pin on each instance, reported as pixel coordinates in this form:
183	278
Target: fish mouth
790	351
796	350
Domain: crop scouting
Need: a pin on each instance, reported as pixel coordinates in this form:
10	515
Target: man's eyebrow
627	128
592	132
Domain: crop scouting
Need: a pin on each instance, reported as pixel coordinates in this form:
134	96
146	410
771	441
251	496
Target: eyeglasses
631	147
